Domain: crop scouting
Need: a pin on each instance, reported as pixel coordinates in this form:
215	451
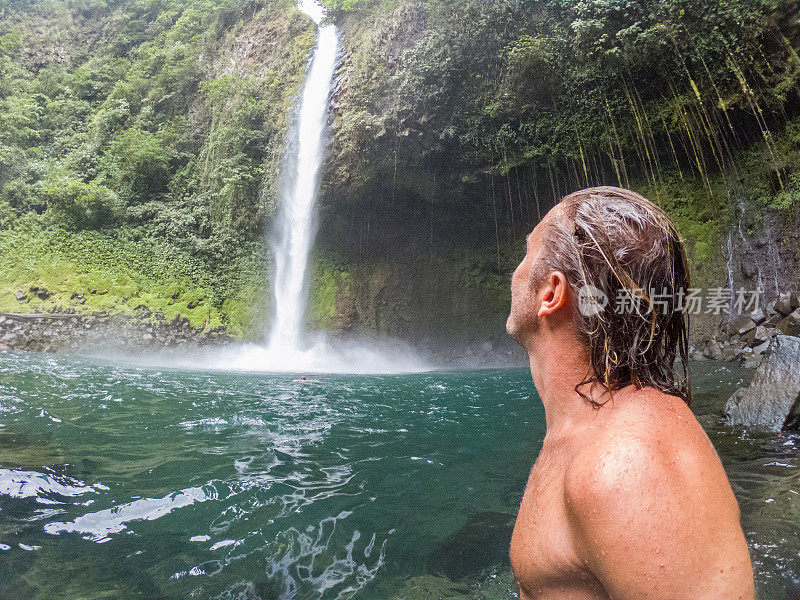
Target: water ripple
99	526
42	486
249	485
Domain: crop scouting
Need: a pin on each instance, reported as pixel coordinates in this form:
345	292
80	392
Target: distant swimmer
304	379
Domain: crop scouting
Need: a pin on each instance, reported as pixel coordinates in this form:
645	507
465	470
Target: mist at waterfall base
321	355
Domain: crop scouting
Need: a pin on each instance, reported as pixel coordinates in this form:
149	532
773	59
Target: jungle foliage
159	125
503	107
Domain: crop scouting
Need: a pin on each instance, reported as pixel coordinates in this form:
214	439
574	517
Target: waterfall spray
294	231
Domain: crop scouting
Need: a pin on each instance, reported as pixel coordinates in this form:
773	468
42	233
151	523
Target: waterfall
289	348
294	230
776	262
729	265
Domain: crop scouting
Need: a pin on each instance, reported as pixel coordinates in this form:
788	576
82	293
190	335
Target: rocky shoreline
772	399
747	337
70	330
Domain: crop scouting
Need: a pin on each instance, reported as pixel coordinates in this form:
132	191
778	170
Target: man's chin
520	332
513	330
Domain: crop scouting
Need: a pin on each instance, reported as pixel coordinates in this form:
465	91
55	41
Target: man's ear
554	294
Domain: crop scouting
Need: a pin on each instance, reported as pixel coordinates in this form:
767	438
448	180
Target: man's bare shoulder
646	434
647	497
647	444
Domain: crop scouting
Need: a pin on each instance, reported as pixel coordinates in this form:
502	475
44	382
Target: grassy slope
111	274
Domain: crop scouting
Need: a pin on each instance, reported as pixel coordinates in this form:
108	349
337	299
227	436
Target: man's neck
557	366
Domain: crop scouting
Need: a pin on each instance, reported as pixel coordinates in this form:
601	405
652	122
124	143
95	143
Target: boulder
758	316
790	325
749	338
772	400
41	292
713	350
695	354
749	358
783	304
794	300
764	334
730	352
742	324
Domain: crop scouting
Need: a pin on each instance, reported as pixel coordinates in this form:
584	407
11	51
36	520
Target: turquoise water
125	481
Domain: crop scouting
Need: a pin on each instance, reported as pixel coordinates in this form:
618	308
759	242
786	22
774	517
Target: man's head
606	268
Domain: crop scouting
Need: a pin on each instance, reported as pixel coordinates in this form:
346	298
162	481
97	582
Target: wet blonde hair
622	244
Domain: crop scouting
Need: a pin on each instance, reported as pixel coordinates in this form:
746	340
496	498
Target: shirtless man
627	498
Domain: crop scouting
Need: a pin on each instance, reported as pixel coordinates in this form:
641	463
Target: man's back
634	505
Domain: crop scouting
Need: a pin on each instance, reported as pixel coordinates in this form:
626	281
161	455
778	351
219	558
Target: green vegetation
504	107
141	141
139	148
93	271
330	281
585	88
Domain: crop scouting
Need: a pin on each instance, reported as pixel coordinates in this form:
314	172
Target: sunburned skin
628	501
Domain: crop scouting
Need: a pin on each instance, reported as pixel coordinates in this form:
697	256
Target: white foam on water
99	526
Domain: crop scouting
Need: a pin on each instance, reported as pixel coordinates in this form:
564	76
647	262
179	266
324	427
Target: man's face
523	318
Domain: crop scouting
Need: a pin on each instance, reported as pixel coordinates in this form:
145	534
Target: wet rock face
772	400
